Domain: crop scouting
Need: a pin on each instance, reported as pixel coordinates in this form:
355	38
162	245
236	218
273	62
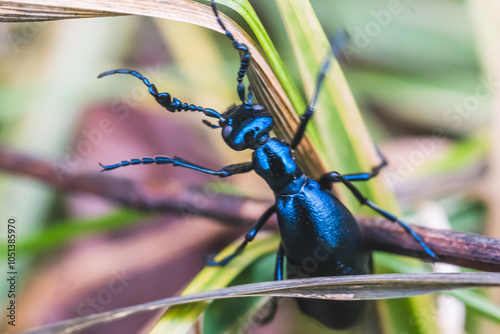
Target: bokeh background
424	76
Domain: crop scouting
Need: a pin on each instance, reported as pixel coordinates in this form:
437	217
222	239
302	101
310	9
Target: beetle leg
325	180
248	238
278	271
336	177
338	42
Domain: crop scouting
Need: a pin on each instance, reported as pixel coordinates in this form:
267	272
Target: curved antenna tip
103	74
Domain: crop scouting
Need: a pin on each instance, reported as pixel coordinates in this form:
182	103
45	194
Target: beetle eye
226	132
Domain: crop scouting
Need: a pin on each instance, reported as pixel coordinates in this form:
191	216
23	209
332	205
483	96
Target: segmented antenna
167	101
245	58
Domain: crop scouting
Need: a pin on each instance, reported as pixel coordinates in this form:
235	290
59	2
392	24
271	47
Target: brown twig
467	250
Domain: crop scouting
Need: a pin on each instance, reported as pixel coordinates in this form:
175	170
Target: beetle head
246	126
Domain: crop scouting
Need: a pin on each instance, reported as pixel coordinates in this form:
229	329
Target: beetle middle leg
248	238
326	179
278	276
334	177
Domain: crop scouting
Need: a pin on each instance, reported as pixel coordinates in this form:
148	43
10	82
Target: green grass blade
180	319
470	298
478	303
237	315
338	132
245	9
274	93
275	90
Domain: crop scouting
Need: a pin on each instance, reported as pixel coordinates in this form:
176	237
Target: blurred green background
421	73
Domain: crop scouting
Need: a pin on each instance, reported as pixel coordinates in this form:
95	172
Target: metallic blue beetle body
319	236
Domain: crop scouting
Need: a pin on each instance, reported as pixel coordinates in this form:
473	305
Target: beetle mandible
309	214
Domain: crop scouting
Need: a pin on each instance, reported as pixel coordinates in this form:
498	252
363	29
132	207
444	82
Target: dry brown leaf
263	81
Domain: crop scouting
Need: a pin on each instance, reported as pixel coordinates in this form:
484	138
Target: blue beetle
313	222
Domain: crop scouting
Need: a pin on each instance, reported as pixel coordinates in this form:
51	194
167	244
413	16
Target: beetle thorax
275	163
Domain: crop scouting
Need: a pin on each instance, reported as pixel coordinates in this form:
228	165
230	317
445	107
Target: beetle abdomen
320	237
